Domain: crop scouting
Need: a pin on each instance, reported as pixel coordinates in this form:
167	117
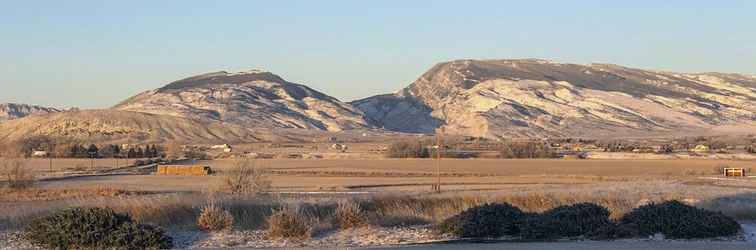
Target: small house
220	146
339	147
39	153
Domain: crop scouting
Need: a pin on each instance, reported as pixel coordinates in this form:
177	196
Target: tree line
72	149
112	151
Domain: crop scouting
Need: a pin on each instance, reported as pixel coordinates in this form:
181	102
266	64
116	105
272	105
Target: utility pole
49	156
438	147
50	150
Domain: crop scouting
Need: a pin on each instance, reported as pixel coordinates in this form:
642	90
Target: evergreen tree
140	152
93	151
155	153
131	153
116	150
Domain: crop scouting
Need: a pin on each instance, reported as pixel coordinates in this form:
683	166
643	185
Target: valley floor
402	189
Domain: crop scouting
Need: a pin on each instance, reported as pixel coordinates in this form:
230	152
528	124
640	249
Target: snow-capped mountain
9	111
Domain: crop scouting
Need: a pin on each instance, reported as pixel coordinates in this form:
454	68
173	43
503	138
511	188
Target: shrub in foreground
349	214
290	224
138	236
582	219
214	218
485	221
677	220
94	228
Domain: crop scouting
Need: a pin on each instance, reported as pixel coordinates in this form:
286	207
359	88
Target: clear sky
92	54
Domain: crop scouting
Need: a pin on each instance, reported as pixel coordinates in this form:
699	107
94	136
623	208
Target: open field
416	174
42	166
396	192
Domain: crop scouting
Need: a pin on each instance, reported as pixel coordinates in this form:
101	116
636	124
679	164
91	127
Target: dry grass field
394	191
42	166
413	174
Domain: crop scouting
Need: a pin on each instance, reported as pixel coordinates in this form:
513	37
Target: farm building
189	170
224	147
700	148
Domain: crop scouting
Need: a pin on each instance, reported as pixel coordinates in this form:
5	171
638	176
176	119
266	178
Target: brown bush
214	218
407	149
517	150
289	223
349	214
246	178
16	174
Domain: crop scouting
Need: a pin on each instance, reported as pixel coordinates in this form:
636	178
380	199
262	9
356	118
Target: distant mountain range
487	98
9	111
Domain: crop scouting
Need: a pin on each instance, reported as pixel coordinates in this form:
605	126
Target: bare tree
245	177
16	174
174	150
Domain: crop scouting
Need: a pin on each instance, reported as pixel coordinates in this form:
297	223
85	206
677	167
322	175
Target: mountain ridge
10	111
541	98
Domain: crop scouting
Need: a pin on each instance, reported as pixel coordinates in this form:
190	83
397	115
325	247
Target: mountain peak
223	77
254	98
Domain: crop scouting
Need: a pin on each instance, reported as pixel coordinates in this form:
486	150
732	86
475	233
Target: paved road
615	245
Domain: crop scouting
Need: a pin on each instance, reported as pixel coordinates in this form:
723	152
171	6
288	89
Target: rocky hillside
253	98
124	126
538	98
9	111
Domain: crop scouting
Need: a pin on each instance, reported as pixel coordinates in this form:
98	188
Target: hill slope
124	126
251	99
537	98
9	111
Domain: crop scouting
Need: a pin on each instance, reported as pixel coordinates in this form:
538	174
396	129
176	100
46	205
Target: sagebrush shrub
289	223
138	236
484	221
349	214
94	228
677	220
575	220
214	218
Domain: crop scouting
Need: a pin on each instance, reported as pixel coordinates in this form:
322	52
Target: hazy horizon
54	52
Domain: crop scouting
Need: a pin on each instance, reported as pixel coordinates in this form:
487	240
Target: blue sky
92	54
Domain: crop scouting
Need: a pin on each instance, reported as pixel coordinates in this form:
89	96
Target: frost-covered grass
181	210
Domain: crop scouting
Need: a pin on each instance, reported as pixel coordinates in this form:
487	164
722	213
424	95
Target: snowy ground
411	238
